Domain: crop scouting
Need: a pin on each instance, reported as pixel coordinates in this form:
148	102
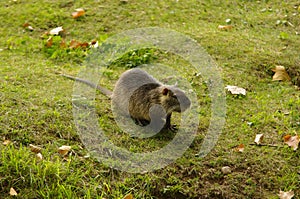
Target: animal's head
174	99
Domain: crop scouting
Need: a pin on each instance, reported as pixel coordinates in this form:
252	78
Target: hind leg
141	122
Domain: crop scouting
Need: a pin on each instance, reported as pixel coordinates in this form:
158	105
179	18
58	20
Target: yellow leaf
286	195
12	192
259	138
292	141
280	74
64	150
128	196
79	12
227	27
34	148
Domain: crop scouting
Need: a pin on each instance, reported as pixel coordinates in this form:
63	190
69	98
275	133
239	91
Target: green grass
36	106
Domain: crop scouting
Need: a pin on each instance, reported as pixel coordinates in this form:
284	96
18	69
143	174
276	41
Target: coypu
135	94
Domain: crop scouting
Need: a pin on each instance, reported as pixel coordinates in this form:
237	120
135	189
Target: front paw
171	127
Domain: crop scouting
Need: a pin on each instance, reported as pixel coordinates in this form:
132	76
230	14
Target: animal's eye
174	96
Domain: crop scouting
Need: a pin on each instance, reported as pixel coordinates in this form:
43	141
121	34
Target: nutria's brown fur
136	92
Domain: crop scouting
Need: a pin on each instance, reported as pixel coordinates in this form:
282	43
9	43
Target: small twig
270	145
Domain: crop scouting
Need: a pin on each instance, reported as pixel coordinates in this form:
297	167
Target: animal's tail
103	90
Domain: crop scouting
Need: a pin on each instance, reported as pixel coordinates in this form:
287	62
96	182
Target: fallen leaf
79	12
77	44
286	195
39	156
56	31
84	45
236	90
63	43
6	142
94	44
280	74
228	21
128	196
240	148
44	35
226	27
12	192
259	138
87	156
292	141
34	148
74	44
286	138
64	150
49	42
226	170
28	26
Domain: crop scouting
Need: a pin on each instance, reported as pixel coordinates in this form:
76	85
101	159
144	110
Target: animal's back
129	82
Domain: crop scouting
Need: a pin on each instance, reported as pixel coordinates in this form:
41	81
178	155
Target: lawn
36	102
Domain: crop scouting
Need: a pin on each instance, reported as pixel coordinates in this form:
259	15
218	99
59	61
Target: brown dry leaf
49	42
79	12
235	90
6	142
240	148
286	138
28	26
128	196
292	141
286	195
226	27
280	74
259	138
84	45
74	44
39	156
56	31
63	43
12	192
34	148
77	44
64	150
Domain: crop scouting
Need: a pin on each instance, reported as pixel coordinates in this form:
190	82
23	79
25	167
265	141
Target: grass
36	103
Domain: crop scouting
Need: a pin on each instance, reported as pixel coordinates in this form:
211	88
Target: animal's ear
165	91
